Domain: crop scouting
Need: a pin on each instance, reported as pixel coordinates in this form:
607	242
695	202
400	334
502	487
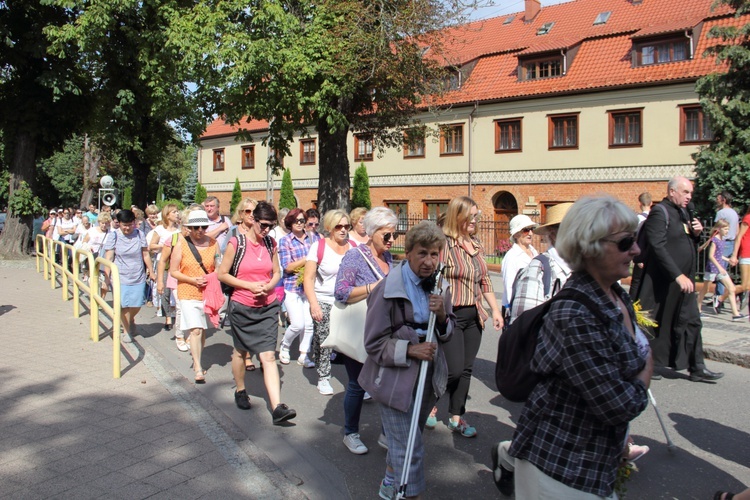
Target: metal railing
47	253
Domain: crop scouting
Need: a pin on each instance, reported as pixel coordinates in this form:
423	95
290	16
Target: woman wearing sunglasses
254	310
192	259
319	284
469	279
519	256
362	268
293	250
595	375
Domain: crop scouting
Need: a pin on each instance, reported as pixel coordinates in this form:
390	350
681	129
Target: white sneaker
305	361
284	355
126	338
366	397
383	441
181	344
324	387
355	444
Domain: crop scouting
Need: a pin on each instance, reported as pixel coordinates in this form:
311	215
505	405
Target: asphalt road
707	422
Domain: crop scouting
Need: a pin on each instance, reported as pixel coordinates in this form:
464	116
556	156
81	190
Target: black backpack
517	344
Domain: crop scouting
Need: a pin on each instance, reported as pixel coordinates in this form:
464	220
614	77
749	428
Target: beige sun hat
555	216
519	222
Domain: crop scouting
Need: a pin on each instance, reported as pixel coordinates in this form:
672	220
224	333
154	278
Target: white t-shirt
65	224
730	216
96	237
164	235
325	278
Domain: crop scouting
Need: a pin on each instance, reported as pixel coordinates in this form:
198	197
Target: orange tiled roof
603	59
220	128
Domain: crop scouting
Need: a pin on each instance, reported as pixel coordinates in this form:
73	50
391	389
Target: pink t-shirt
744	252
255	266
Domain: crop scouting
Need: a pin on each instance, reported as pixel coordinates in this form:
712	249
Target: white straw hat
196	218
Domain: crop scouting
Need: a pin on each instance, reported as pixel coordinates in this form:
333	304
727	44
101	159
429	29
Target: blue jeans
354	396
728	249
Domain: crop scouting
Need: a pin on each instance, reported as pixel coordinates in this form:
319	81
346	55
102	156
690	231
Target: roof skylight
603	17
509	20
546	27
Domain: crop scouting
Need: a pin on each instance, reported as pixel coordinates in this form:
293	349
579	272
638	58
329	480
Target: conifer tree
200	193
236	196
361	188
191	183
286	196
127	197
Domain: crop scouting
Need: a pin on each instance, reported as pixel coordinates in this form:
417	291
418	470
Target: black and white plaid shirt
574	424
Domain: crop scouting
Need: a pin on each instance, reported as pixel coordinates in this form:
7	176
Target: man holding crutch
398	315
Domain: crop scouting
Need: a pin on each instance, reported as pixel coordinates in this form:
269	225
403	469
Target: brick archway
505	208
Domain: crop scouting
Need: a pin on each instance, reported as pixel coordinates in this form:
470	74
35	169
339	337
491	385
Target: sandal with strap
462	427
200	377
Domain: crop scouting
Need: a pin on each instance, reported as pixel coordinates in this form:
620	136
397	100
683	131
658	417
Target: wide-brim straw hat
519	222
555	216
196	218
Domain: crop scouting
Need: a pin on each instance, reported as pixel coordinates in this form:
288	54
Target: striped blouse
467	275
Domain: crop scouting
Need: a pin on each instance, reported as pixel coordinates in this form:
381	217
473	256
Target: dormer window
546	27
664	50
541	68
452	80
602	18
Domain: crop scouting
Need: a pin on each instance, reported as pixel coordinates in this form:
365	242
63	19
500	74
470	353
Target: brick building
548	104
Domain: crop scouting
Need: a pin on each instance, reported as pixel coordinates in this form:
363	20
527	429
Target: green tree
361	188
127	198
64	169
236	196
309	65
44	95
725	98
200	193
139	90
160	193
286	195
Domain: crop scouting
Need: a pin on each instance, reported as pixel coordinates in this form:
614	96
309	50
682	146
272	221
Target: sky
502	7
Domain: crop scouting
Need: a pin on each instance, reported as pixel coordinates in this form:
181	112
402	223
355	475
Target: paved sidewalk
69	430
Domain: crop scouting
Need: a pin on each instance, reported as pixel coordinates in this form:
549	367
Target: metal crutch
414	427
670	444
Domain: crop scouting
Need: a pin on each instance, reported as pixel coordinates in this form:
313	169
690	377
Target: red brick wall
483	194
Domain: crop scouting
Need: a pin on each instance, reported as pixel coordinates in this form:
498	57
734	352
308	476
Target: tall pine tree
236	196
191	183
725	98
200	194
286	196
361	188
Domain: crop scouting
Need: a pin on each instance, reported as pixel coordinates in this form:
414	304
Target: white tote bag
347	325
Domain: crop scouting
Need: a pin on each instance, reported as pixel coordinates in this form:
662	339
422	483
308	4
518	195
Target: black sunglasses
339	227
623	244
248	210
313	224
299	221
389	236
265	225
527	229
199	227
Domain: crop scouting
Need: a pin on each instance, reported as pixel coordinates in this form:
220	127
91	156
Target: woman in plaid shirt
570	437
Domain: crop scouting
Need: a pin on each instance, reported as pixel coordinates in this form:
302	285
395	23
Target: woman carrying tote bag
362	268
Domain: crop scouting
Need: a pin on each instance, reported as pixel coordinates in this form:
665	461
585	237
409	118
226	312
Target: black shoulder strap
578	296
195	253
239	255
268	241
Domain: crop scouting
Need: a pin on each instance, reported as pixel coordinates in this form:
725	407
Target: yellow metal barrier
50	267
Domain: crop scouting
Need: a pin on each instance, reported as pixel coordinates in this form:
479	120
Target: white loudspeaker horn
109	199
107	182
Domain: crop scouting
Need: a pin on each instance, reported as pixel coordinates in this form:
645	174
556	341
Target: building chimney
532	9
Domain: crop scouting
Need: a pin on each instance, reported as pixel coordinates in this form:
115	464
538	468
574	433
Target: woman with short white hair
520	254
362	268
594	373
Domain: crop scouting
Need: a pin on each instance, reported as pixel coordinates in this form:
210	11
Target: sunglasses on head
266	225
339	227
623	244
389	236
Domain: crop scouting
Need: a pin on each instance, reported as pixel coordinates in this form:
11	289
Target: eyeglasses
299	221
199	227
624	244
339	227
389	236
313	224
266	225
248	211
